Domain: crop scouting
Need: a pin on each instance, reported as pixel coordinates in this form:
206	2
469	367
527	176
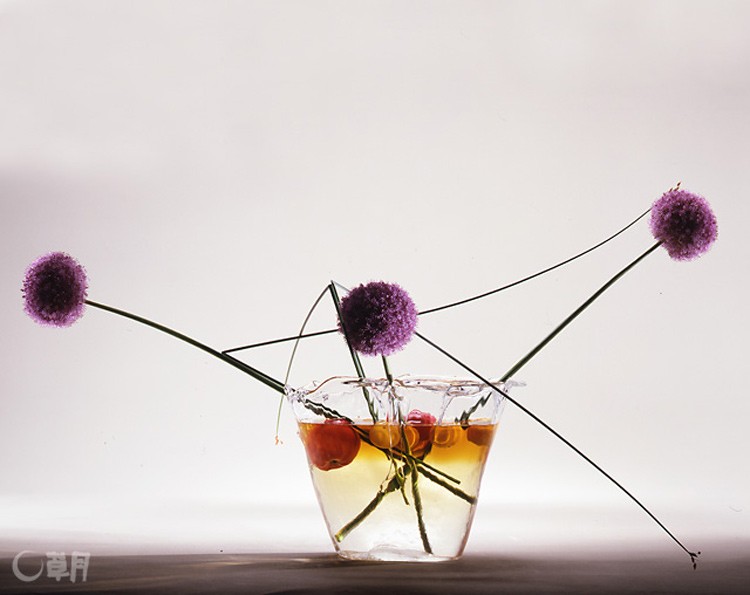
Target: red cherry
418	417
332	444
424	424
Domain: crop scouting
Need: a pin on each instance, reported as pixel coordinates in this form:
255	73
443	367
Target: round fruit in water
424	424
332	444
445	436
481	435
385	435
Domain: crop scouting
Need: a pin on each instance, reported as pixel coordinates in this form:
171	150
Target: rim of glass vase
450	385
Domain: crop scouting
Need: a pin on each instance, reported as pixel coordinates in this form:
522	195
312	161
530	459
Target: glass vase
397	465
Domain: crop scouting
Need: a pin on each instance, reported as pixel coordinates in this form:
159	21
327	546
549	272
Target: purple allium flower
684	223
379	317
54	289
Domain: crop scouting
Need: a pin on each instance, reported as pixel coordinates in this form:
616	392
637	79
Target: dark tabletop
726	572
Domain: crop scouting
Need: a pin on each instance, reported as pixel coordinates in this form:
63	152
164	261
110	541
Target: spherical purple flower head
54	290
684	223
379	317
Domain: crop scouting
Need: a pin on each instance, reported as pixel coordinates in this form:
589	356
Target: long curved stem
545	425
257	374
538	274
460	302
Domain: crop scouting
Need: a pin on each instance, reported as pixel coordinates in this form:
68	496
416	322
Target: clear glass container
397	466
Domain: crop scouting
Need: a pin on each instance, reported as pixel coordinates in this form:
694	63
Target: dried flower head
54	290
379	317
684	223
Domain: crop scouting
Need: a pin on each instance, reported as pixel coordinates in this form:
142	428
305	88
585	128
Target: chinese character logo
57	567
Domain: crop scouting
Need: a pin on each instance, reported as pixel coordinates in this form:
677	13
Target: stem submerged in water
392	486
420	512
412	465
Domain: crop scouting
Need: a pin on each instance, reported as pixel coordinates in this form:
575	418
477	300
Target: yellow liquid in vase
353	469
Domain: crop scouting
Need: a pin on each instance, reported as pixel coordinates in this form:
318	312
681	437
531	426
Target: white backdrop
214	165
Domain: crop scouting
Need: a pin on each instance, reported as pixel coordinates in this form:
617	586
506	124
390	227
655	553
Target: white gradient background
214	164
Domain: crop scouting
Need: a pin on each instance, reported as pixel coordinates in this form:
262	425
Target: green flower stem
355	358
392	486
352	351
411	462
525	359
464	301
291	359
420	463
257	374
693	555
418	507
452	489
387	369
